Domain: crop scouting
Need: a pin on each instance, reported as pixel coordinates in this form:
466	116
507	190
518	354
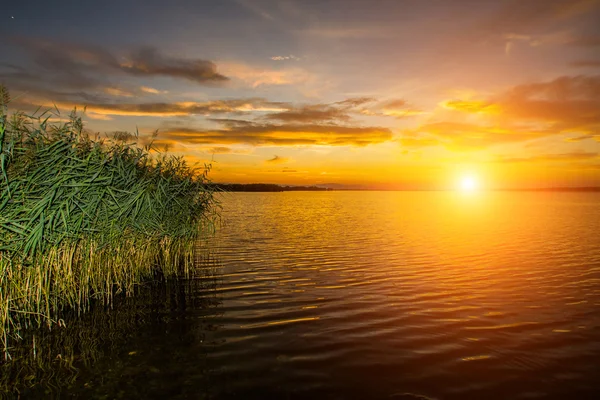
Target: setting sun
468	184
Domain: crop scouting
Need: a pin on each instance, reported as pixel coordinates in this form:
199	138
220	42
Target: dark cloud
80	66
148	61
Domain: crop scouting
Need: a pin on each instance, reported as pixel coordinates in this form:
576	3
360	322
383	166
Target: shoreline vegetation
83	218
272	187
263	187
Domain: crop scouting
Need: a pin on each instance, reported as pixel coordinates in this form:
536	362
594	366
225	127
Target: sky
384	94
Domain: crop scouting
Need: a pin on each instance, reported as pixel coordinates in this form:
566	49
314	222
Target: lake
363	295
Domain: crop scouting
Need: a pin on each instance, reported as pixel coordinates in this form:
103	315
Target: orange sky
383	94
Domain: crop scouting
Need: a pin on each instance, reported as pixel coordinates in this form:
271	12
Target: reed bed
83	218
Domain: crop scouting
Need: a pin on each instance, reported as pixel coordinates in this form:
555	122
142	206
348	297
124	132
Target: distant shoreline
271	187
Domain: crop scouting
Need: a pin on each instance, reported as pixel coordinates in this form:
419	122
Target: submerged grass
83	218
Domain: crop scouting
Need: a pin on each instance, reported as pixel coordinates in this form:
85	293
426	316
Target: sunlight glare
468	184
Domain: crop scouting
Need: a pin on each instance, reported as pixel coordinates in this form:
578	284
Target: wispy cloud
219	150
256	134
581	138
147	89
117	92
285	58
261	76
277	160
561	157
216	107
344	32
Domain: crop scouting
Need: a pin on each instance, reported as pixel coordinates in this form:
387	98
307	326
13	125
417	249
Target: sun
468	184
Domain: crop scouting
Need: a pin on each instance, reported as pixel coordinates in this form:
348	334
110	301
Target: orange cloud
524	112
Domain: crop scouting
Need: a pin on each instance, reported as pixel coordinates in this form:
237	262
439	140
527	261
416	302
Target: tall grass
83	218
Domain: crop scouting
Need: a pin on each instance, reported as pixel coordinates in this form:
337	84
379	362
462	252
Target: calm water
367	295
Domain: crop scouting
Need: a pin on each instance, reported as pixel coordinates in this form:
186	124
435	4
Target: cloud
471	136
397	108
277	160
354	102
113	91
311	113
148	61
85	66
285	58
234	106
255	8
518	17
257	134
568	104
151	90
344	33
582	137
586	63
260	76
562	157
584	41
219	150
471	106
342	111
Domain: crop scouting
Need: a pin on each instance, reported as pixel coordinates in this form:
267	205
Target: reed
83	218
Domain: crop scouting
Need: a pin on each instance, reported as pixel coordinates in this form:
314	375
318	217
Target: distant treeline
263	187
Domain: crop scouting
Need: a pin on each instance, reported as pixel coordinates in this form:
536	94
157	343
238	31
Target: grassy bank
83	219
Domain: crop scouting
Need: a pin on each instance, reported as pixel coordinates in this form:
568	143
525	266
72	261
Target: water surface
372	295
